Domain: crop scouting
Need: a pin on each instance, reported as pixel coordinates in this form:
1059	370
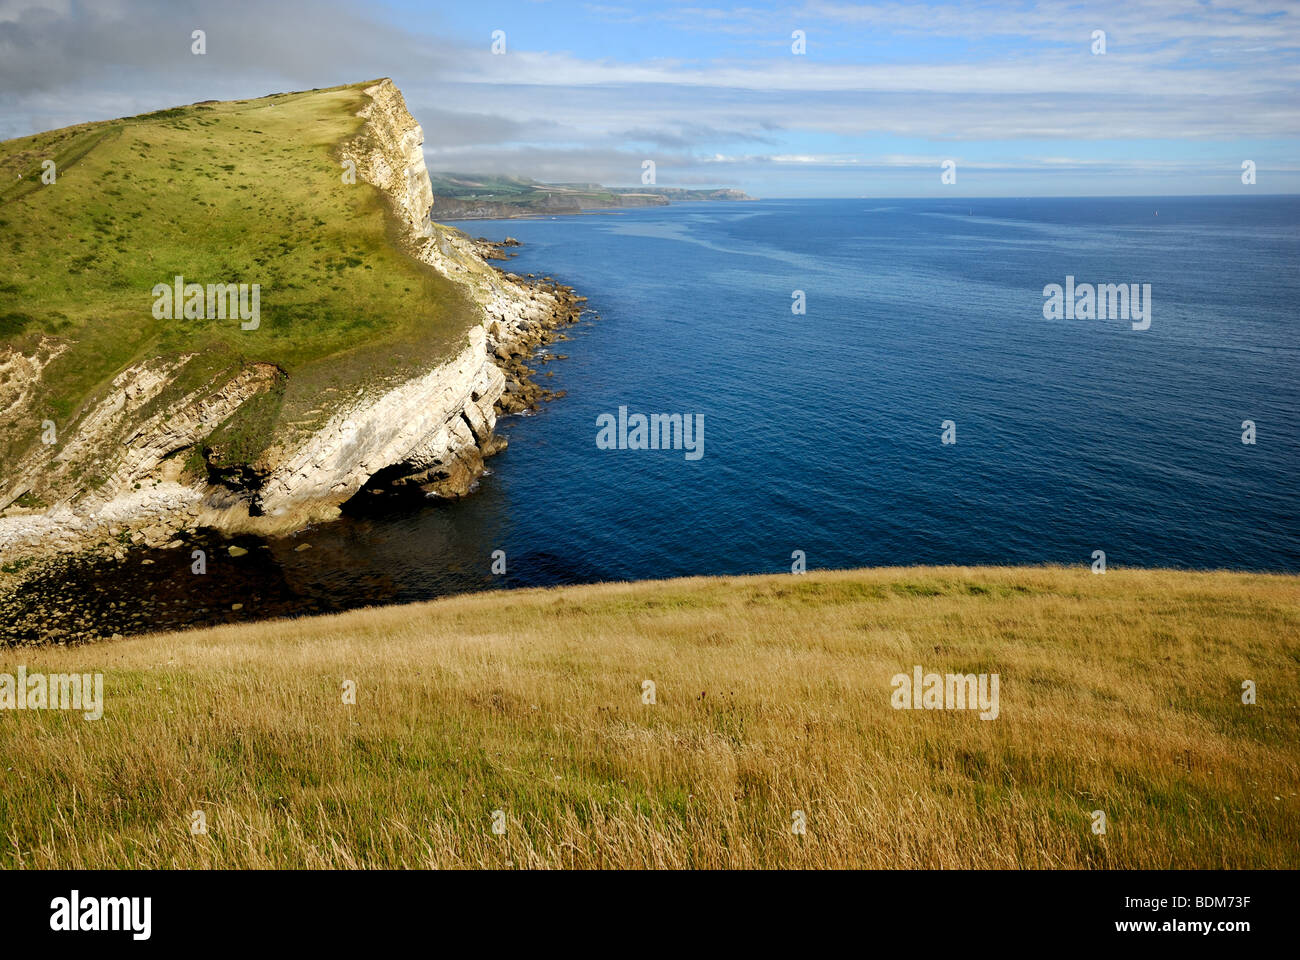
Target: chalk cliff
119	475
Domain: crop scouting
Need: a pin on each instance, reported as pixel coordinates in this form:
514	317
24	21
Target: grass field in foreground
1119	693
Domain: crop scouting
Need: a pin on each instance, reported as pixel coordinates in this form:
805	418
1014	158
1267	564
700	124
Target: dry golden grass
1119	693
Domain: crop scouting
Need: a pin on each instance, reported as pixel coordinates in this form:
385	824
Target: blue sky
1013	93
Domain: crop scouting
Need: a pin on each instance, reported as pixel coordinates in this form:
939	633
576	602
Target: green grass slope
248	191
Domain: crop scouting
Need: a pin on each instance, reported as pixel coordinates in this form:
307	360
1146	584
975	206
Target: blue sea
823	430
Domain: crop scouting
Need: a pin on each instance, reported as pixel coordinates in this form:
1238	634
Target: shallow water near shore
823	430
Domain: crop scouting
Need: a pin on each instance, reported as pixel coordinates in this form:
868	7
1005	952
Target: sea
870	383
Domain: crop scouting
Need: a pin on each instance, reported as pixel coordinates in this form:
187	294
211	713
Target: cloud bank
1017	96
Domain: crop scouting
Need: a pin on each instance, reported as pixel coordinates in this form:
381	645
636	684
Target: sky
1019	96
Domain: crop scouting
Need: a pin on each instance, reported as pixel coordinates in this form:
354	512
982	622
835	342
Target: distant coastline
476	197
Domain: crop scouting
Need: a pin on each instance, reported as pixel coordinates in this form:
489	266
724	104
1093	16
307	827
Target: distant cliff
476	197
683	195
455	208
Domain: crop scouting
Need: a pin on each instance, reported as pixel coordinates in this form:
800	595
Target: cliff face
387	153
441	423
434	429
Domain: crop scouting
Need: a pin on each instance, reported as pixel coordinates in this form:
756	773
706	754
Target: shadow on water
396	548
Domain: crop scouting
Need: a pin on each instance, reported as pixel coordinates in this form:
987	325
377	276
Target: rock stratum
151	441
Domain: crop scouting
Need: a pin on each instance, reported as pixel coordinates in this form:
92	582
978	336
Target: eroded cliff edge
433	429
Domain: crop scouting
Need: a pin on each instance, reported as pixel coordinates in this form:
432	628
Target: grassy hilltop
249	191
1119	693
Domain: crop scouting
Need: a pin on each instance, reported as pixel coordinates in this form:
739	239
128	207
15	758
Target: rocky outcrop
437	421
19	374
436	429
387	153
130	437
433	430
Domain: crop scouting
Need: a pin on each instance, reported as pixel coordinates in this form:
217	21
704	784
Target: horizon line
1008	196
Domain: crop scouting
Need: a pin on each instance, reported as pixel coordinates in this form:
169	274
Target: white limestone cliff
433	429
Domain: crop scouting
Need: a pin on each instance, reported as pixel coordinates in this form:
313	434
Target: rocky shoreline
431	432
43	548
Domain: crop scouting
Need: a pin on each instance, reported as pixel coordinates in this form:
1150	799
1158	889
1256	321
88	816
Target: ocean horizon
1070	435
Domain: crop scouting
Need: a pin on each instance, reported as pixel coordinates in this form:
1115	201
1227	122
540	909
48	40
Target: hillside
382	340
772	694
226	192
